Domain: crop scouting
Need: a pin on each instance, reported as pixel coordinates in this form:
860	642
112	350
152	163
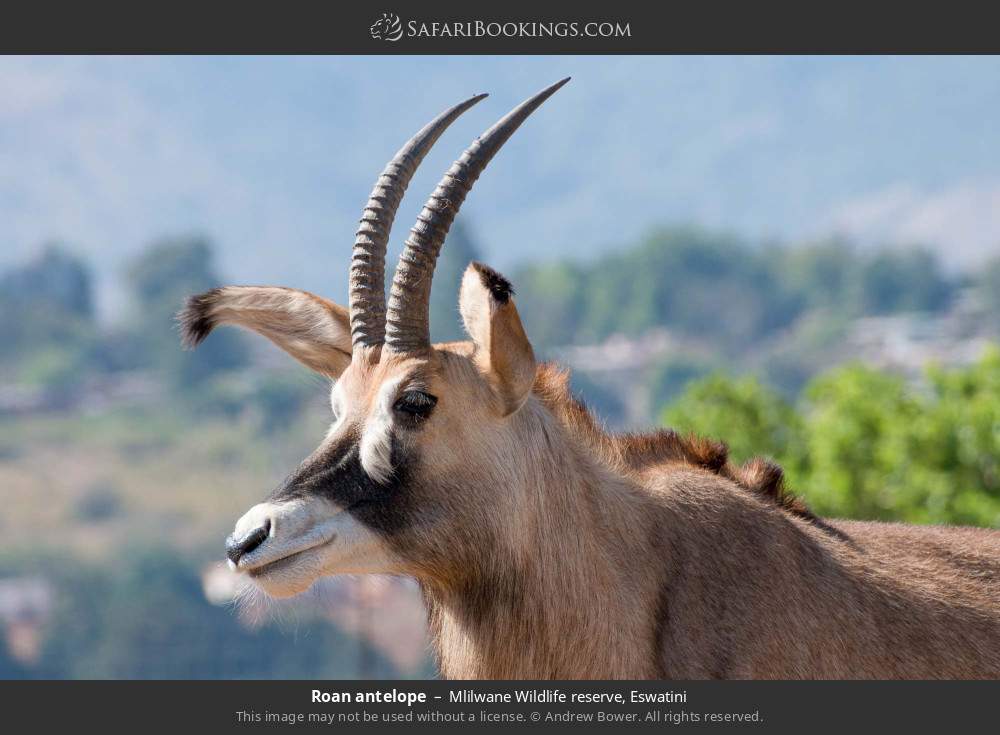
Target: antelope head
412	473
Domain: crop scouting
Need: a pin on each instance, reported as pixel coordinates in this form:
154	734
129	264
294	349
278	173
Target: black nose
236	548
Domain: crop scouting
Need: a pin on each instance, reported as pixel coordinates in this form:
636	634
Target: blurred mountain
273	157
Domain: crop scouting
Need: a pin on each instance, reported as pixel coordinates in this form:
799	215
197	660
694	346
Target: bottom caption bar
230	706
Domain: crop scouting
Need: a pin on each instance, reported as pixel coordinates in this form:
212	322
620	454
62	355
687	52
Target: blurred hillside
834	311
273	157
638	324
126	460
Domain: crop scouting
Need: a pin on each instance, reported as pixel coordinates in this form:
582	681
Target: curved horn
367	278
407	327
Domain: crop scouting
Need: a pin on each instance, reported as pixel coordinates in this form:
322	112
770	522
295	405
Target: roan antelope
546	547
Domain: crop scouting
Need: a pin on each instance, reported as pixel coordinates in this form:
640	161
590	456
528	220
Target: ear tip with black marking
195	320
494	282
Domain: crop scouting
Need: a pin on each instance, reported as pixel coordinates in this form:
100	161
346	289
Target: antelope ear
503	352
314	331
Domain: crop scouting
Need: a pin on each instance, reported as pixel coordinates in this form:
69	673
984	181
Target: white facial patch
337	407
335	398
376	445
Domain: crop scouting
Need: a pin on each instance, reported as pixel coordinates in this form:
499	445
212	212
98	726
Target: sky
273	157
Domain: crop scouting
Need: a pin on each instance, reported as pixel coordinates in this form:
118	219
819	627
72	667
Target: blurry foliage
170	269
783	306
271	400
55	281
551	301
280	398
813	343
862	444
717	287
61	367
102	501
51	340
161	278
668	379
750	417
834	276
857	423
986	285
688	280
47	330
855	443
459	250
908	280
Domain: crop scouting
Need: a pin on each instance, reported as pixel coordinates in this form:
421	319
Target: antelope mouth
284	563
306	540
282	536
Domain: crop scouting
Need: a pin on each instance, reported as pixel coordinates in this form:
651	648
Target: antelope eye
415	404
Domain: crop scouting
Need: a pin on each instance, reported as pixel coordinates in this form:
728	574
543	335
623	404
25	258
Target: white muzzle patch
309	538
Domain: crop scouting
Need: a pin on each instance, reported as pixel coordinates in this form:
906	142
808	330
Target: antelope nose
237	548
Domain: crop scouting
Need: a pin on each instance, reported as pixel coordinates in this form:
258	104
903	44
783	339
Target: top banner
314	27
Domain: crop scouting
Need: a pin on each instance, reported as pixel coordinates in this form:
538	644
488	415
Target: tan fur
552	549
311	329
502	350
740	583
547	547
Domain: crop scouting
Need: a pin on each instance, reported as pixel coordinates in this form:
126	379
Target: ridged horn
367	277
407	325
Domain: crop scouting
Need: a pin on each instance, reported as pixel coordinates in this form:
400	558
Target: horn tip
550	90
473	100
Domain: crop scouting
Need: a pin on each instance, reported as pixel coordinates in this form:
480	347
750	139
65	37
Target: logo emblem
387	28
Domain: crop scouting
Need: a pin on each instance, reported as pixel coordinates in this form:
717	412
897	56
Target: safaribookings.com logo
390	28
387	28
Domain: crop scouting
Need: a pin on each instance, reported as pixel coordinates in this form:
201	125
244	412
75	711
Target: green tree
907	280
55	279
161	279
551	301
864	443
956	467
701	284
751	418
48	329
857	433
695	282
824	273
722	290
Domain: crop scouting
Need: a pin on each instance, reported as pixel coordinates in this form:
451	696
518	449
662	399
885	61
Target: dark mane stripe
634	451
